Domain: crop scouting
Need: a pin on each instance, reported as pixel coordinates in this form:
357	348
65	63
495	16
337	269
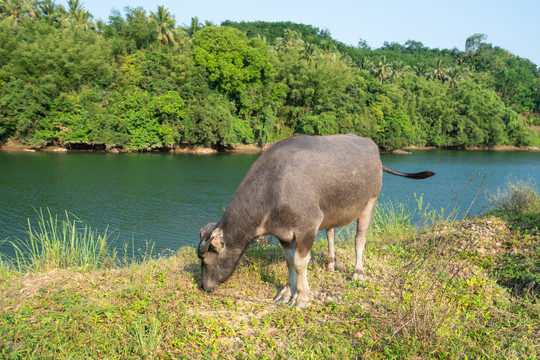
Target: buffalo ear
217	240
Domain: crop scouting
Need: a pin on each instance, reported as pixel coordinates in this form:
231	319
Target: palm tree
310	51
194	27
454	76
262	38
78	16
366	64
100	25
328	47
399	69
420	69
438	72
291	40
48	9
346	59
163	23
13	11
383	69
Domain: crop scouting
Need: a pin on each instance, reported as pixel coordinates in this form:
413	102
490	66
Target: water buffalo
297	187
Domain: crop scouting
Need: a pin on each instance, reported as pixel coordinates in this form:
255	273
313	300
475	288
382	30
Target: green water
166	198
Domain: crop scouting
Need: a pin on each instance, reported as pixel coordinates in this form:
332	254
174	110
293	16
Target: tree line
139	81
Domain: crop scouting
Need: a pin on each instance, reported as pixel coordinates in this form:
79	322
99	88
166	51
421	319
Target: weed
430	217
147	336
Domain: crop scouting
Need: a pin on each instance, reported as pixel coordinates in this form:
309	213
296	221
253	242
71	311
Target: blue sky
512	24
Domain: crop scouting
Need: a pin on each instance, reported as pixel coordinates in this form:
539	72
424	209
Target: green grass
435	294
391	220
60	243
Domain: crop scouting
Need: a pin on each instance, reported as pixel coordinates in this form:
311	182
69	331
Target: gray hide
298	186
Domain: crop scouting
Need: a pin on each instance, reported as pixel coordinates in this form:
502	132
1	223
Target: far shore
18	146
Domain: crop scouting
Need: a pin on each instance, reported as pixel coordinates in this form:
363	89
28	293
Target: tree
473	42
310	51
226	84
438	72
100	25
366	63
362	44
292	40
163	23
232	61
454	76
414	46
49	10
135	30
420	69
13	11
399	69
193	27
212	121
383	69
78	16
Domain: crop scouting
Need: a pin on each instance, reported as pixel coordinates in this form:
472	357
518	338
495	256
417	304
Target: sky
513	25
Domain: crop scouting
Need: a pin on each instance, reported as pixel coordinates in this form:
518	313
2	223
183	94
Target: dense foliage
139	81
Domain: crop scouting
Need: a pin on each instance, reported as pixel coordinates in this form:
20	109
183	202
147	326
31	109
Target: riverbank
427	295
476	148
18	146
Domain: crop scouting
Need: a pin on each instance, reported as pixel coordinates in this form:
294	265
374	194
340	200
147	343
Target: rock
400	152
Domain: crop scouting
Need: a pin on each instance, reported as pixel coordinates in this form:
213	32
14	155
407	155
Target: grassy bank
463	289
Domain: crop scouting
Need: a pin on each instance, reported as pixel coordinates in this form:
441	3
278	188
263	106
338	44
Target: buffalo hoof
333	266
299	301
359	276
283	295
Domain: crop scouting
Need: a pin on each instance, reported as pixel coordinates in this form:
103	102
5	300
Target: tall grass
391	220
61	243
517	197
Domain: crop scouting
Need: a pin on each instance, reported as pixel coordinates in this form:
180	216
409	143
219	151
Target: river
166	198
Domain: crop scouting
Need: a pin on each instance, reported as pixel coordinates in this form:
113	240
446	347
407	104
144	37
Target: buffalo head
217	260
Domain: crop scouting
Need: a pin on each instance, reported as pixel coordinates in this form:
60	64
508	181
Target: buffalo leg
297	290
301	296
284	295
332	264
363	223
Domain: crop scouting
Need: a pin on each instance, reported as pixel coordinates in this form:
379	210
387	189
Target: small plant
147	336
430	217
